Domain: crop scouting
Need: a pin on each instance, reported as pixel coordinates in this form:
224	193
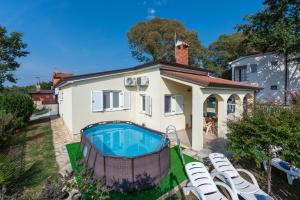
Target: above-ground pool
125	155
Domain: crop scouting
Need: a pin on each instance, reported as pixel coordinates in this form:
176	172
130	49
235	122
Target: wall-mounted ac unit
143	81
129	81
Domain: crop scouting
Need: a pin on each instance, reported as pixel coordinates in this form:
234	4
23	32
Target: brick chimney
182	53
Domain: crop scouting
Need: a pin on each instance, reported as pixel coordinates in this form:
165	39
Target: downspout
286	78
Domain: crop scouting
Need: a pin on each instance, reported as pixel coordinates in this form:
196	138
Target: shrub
91	188
7	126
20	105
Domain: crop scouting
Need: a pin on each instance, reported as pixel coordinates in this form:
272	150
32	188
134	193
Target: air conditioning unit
129	81
143	81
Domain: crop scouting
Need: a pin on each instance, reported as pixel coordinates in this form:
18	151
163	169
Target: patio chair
229	175
292	172
202	185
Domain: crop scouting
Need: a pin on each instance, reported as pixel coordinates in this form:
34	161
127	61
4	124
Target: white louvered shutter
148	105
179	104
97	101
126	100
121	100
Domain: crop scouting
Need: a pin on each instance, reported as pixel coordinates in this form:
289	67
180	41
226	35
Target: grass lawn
38	156
174	178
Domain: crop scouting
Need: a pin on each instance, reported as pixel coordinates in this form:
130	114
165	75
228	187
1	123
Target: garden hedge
19	105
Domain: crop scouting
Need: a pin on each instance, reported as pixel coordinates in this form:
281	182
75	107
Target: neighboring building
155	95
59	75
268	71
42	97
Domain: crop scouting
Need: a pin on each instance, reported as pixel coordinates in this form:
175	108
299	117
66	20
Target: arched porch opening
233	106
211	114
248	101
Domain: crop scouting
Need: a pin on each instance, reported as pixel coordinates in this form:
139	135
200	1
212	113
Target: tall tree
11	48
153	40
228	47
275	28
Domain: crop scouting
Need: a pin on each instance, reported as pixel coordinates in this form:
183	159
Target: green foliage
154	40
266	127
256	134
91	188
54	189
291	146
11	48
19	105
7	126
274	28
19	89
227	48
46	85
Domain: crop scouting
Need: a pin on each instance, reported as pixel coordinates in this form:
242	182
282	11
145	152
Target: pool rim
124	122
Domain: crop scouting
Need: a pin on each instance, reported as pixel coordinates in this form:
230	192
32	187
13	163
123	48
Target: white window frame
174	105
252	66
231	106
111	99
148	104
124	100
143	103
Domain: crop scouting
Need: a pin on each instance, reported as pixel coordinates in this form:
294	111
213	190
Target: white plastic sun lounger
292	173
229	175
202	184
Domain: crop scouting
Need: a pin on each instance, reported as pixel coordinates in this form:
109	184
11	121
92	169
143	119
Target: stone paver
61	137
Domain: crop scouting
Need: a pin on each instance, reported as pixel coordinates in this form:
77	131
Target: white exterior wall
268	75
180	121
66	108
80	114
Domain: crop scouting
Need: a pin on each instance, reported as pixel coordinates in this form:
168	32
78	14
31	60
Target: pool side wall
127	173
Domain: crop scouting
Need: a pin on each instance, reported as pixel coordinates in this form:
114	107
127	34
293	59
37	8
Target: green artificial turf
174	178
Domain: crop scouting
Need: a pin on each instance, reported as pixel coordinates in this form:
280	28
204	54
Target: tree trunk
269	174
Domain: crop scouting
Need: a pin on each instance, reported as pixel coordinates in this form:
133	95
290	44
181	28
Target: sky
90	36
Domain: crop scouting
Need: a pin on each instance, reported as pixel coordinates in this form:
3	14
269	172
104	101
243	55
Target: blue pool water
122	139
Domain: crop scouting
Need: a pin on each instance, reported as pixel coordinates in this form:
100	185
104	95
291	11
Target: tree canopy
227	48
274	28
153	40
11	48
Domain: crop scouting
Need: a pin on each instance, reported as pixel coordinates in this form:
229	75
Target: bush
91	188
7	126
19	105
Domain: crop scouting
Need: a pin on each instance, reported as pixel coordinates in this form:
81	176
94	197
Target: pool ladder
172	130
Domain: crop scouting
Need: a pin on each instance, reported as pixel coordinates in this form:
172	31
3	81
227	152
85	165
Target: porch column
222	117
197	112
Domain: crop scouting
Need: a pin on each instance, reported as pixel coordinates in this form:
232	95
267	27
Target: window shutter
121	99
179	104
173	104
97	101
148	102
126	100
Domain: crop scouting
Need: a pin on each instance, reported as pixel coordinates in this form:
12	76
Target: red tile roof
62	75
206	81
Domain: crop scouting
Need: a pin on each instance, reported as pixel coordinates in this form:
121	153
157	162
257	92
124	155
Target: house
155	95
59	75
268	71
42	97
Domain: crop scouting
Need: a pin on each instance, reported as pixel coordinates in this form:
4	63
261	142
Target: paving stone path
61	137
